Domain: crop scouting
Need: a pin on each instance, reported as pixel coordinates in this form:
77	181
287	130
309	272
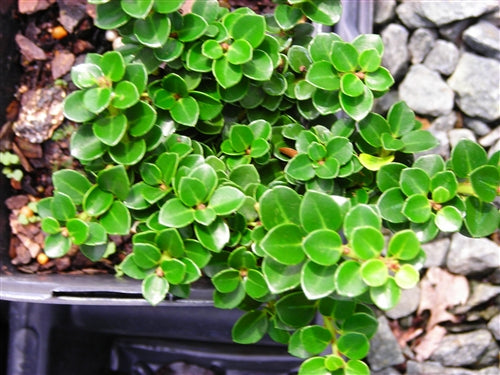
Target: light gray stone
435	368
490	357
490	138
407	13
436	252
456	135
483	37
387	371
384	348
385	102
425	92
421	42
462	349
480	128
441	12
396	56
443	57
443	147
494	326
469	256
446	122
385	10
408	304
494	148
480	293
453	31
476	81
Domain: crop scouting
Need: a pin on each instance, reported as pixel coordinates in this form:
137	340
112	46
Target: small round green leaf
110	129
295	309
485	181
73	108
344	56
154	289
386	296
367	242
348	279
391	204
466	156
125	95
214	236
374	272
414	181
323	246
284	244
279	277
417	208
250	327
110	15
117	219
113	65
317	280
56	245
353	345
322	75
153	31
407	276
449	219
404	245
351	85
175	214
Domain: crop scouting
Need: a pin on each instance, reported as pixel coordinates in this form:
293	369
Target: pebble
456	135
384	348
436	252
435	368
469	256
483	37
476	80
442	12
453	31
490	139
421	42
408	304
426	92
462	349
387	371
494	326
481	293
479	127
396	56
443	57
446	122
407	13
385	10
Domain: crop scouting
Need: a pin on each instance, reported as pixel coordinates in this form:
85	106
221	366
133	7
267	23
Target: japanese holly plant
243	147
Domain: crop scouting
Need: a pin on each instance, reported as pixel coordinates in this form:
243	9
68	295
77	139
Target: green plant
214	138
10	161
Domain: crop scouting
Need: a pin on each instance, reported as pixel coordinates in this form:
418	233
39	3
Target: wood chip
62	63
29	49
32	6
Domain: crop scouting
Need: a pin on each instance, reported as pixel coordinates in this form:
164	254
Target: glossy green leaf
255	284
284	244
97	201
348	279
86	75
309	340
169	6
97	234
113	65
226	74
295	309
388	176
153	31
62	207
431	164
141	118
154	289
125	95
319	211
286	16
367	242
226	280
226	200
56	245
357	107
481	218
229	300
466	156
146	255
323	246
351	85
260	68
137	8
404	245
361	322
191	191
359	216
313	366
74	110
129	153
369	60
372	127
280	277
374	163
444	186
71	183
417	208
110	15
374	272
317	280
131	269
110	129
117	219
298	58
137	74
353	345
174	270
418	140
196	61
175	214
401	119
96	99
279	205
386	296
50	225
214	236
300	168
322	75
250	27
250	327
485	181
326	12
391	204
193	27
170	51
212	49
344	56
414	181
379	80
407	276
78	230
449	219
239	52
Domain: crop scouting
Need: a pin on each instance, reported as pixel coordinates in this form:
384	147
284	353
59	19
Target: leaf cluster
243	148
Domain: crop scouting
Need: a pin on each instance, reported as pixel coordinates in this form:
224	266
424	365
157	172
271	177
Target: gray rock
443	148
490	138
443	57
479	127
435	368
421	42
469	256
453	31
446	122
494	326
490	357
455	135
436	252
463	349
481	293
494	148
476	80
384	348
425	92
385	102
385	10
441	12
483	37
407	13
387	371
396	56
408	304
